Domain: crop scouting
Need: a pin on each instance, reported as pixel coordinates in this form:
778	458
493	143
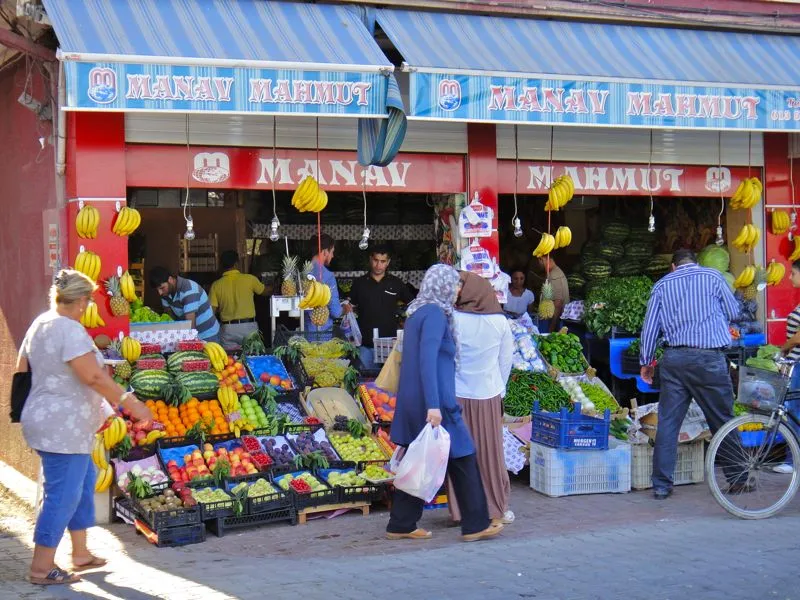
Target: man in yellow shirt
231	298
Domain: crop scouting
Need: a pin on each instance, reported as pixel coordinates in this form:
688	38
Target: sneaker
783	469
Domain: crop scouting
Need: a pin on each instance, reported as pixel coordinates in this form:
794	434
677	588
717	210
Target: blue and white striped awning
455	51
229	56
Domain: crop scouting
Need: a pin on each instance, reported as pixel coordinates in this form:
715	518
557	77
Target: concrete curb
18	484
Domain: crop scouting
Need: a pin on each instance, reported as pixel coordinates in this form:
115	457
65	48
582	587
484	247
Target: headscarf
477	296
440	288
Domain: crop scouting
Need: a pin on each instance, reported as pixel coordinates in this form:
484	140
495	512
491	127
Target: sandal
95	563
55	577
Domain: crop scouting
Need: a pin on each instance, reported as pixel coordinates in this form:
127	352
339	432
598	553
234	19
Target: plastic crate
267	503
760	389
177	517
362	493
570	430
123	510
215	510
181	536
320	498
283	334
690	467
557	472
220	527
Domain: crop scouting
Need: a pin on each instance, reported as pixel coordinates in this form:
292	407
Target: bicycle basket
761	389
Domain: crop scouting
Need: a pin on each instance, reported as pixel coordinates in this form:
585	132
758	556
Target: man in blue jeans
692	308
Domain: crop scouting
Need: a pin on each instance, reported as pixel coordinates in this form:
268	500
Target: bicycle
742	456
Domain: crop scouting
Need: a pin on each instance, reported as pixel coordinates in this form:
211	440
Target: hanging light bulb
720	240
189	233
274	236
364	243
651	223
517	227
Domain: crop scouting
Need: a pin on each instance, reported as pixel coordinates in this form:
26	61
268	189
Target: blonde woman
62	413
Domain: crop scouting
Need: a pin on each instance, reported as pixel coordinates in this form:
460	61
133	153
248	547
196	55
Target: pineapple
119	306
320	315
304	273
750	292
123	370
289	282
547	309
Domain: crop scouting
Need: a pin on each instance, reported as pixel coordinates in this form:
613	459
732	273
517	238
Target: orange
392	401
160	404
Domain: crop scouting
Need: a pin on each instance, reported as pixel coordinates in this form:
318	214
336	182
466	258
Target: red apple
264	377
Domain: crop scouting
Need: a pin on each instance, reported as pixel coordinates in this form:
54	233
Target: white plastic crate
564	473
383	346
690	467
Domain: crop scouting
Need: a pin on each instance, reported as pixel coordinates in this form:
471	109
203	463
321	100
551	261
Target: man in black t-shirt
375	298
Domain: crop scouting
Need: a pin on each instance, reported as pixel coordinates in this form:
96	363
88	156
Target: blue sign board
117	86
443	96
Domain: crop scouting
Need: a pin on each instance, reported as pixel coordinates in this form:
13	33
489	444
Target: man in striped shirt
187	301
692	308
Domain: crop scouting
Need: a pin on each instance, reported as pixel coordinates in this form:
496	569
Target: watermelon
197	345
627	268
658	267
597	269
612	252
156	363
576	281
199	382
616	232
729	278
714	257
638	251
175	361
151	382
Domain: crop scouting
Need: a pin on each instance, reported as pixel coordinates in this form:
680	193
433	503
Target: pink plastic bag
421	471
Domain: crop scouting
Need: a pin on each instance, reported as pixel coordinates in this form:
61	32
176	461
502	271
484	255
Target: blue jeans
69	481
367	356
688	373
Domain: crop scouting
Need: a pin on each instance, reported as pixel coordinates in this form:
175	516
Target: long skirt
484	419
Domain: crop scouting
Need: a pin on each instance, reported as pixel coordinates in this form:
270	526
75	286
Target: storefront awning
501	69
227	56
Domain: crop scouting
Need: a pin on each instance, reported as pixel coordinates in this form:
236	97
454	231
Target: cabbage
714	257
729	278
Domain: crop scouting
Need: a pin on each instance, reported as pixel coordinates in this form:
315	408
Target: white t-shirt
486	348
519	304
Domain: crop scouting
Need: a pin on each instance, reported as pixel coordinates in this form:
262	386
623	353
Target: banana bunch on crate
308	197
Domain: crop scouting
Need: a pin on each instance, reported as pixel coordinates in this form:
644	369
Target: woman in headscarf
426	394
486	346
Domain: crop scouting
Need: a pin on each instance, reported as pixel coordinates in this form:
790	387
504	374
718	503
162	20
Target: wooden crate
200	255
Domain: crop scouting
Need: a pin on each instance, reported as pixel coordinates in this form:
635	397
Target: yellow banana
128	287
795	255
775	273
131	349
104	479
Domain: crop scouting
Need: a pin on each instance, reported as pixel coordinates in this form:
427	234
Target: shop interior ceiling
14	19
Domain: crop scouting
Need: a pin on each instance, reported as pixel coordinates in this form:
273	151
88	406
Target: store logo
449	94
211	167
102	85
718	179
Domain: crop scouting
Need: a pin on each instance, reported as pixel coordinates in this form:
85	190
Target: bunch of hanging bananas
747	239
90	318
775	273
745	278
795	255
128	221
127	287
563	237
87	221
308	197
546	245
114	433
780	222
131	349
217	355
561	192
99	452
105	478
88	263
318	294
747	194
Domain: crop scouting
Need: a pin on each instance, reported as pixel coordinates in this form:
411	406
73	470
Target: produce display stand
303	513
689	468
219	527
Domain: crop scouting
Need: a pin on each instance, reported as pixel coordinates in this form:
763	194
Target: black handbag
20	388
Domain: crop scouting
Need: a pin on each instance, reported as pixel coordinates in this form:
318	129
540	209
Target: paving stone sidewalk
577	548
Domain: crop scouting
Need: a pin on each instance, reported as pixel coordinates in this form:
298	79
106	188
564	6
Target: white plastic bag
351	329
422	469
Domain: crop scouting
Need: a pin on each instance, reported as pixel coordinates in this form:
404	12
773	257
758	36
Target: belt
237	321
694	348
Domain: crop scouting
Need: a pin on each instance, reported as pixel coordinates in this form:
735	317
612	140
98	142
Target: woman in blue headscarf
426	394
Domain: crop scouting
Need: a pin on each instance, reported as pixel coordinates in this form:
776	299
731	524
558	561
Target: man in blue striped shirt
186	300
692	308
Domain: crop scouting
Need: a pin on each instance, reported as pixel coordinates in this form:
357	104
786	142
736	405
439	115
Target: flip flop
95	563
55	577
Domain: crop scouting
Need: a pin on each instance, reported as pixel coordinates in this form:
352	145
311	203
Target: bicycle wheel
740	466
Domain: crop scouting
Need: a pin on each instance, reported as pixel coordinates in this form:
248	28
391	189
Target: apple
264	377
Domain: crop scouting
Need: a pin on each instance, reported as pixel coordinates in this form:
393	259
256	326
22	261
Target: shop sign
117	86
612	103
608	179
251	168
